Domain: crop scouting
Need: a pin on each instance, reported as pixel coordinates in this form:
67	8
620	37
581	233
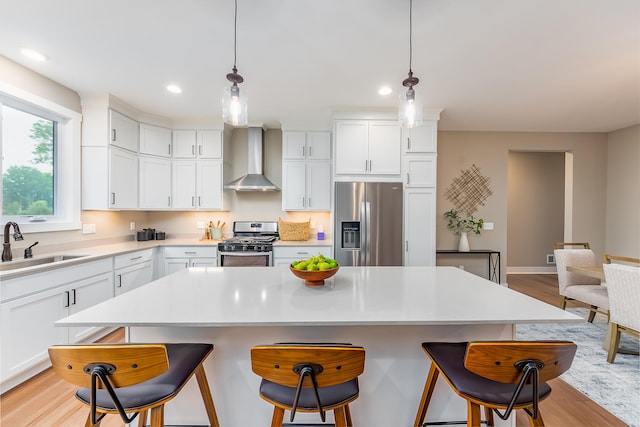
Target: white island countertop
272	296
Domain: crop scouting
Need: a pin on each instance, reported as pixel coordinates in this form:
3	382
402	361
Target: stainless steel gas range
250	246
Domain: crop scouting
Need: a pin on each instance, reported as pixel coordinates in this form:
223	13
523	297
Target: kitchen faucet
6	246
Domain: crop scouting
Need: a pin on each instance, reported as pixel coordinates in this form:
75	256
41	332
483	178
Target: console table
493	259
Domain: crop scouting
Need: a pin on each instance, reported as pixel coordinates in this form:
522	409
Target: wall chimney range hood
254	180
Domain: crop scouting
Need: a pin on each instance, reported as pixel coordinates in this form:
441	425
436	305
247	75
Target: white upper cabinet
421	139
155	140
155	183
197	185
306	186
367	147
420	171
123	131
122	178
201	144
301	145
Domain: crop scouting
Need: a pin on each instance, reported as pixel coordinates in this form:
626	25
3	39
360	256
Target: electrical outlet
200	225
132	226
487	226
461	267
551	259
88	229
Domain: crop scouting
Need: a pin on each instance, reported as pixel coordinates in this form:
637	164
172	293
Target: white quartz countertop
272	296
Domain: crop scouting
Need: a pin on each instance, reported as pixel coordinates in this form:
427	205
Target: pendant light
234	102
410	111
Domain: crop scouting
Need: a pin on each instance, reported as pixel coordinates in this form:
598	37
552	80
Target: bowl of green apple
314	270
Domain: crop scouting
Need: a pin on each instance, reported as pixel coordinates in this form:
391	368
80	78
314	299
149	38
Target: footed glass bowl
315	277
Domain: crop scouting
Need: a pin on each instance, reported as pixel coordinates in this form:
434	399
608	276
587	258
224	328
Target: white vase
463	245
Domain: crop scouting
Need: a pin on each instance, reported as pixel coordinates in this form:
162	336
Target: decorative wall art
470	190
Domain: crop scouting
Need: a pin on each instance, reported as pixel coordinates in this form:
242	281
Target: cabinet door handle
113	198
113	134
66	295
309	202
190	252
135	258
406	245
193	150
304	153
168	200
302	253
74	296
303	201
310	152
407	179
193	200
199	201
169	149
408	143
200	150
119	280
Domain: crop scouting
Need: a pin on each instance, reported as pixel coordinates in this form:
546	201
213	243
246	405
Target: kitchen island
388	310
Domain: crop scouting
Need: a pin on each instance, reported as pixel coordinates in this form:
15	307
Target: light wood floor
47	401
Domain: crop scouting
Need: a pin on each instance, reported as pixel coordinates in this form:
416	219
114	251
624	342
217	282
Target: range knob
256	248
264	248
244	247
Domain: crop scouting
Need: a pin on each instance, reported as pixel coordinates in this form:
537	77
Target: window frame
67	178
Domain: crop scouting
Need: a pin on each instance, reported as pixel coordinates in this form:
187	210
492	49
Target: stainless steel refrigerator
368	223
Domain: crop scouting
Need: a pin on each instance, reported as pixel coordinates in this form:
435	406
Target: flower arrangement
458	224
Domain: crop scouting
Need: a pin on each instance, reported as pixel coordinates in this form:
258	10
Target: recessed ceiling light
174	88
384	90
32	54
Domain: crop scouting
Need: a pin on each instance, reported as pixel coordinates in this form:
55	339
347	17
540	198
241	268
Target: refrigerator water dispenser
351	235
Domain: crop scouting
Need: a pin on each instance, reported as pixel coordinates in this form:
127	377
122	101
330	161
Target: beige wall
490	152
535	209
623	192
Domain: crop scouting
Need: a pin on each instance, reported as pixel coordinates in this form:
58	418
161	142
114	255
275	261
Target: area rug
615	387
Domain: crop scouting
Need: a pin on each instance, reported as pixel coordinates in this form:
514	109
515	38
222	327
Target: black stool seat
450	358
329	396
183	360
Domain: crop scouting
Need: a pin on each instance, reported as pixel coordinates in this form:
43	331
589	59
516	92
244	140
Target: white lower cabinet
31	304
177	258
419	226
285	255
132	270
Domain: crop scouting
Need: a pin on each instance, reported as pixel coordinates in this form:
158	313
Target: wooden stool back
498	360
276	363
132	364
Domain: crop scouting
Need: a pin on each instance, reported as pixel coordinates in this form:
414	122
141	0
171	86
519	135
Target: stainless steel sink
13	265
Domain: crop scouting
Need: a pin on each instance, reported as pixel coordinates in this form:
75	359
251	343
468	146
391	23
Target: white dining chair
623	284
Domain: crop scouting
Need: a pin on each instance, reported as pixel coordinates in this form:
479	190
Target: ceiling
490	65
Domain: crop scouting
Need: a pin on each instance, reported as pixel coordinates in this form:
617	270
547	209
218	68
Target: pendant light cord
235	32
410	33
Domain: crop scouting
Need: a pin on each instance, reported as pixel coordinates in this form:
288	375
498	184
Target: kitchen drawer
190	252
301	252
132	258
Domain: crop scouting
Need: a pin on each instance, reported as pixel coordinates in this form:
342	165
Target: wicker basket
294	230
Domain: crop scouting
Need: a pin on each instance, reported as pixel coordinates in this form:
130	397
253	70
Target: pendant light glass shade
234	106
410	111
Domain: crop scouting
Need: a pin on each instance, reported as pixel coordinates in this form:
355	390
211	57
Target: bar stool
309	378
126	378
498	375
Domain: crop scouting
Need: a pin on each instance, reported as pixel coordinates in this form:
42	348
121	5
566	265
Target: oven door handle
244	253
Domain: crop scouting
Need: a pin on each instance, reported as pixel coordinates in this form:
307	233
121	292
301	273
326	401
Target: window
28	164
40	163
